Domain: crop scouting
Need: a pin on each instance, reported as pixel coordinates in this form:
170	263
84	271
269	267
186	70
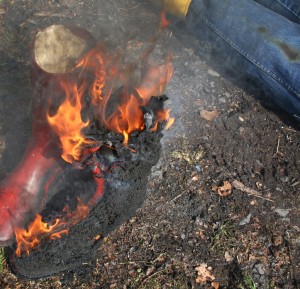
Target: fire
163	115
67	122
126	137
28	239
126	118
164	22
81	212
90	86
93	63
155	79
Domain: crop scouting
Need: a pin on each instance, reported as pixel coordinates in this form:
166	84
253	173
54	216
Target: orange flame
164	22
170	122
97	78
94	63
37	230
163	115
155	80
82	210
128	117
68	124
29	239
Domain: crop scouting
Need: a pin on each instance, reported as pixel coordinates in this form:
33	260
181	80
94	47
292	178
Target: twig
295	184
49	14
240	186
289	129
277	148
177	197
153	275
5	36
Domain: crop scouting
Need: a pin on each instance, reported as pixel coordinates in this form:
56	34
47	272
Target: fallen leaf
202	235
204	274
182	156
245	221
224	190
278	240
98	237
214	188
228	257
195	178
208	114
282	212
215	285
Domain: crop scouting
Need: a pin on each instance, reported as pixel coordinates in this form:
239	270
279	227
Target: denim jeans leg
289	9
291	5
258	41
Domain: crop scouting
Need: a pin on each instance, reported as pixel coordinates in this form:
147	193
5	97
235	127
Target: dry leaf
97	238
195	178
204	274
215	285
208	115
224	190
202	235
246	220
228	257
214	188
278	240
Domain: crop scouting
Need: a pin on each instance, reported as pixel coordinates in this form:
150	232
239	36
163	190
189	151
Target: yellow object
177	7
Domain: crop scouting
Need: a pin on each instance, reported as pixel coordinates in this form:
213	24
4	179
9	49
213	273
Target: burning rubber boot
64	59
23	192
254	39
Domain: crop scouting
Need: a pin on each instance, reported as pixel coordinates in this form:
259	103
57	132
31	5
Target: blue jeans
261	39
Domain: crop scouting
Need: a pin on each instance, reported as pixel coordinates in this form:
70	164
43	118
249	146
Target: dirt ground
222	207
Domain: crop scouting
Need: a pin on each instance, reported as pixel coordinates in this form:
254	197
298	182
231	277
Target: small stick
49	14
177	197
240	186
277	148
153	275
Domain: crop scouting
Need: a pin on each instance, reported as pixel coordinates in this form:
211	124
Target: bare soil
224	197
